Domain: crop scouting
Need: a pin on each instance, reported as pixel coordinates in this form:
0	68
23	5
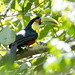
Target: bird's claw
26	47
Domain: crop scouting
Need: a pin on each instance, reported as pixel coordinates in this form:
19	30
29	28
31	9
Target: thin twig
55	33
13	25
3	47
8	7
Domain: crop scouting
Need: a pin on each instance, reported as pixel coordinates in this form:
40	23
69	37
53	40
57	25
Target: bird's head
33	21
42	20
36	22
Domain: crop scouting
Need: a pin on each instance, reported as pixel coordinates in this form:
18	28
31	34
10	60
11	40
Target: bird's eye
37	21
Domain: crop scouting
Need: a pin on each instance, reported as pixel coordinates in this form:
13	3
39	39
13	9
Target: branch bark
32	51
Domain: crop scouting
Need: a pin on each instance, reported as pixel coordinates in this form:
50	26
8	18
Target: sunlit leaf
71	30
15	65
48	10
26	20
41	1
6	20
19	26
66	22
17	6
2	7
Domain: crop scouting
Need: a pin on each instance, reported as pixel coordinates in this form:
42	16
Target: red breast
30	42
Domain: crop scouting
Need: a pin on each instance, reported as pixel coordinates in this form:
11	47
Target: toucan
28	36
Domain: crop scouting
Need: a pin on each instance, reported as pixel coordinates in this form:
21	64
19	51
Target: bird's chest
35	27
33	36
30	42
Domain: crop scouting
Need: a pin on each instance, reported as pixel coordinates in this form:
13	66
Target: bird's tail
13	51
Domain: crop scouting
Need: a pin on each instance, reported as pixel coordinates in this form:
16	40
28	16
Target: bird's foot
26	47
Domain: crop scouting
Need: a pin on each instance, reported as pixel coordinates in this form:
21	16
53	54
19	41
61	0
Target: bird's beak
48	20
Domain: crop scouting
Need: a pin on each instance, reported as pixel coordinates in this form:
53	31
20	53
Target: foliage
16	14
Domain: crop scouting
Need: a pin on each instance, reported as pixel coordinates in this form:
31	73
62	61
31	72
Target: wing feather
29	36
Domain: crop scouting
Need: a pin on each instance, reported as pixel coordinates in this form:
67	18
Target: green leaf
26	20
13	5
72	0
38	61
17	6
48	10
19	26
32	0
2	7
6	1
36	2
28	14
7	36
45	31
28	6
71	30
41	1
66	22
19	1
6	21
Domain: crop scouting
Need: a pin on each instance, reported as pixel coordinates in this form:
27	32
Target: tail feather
13	51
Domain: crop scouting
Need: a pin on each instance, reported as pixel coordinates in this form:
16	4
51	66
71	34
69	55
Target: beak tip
57	24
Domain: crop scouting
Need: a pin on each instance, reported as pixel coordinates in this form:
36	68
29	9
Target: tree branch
32	51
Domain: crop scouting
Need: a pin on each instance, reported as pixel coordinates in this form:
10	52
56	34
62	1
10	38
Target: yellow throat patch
36	27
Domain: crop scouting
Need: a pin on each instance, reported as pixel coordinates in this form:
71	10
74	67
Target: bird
27	36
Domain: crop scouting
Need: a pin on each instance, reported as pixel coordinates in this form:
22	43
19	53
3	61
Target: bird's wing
22	39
